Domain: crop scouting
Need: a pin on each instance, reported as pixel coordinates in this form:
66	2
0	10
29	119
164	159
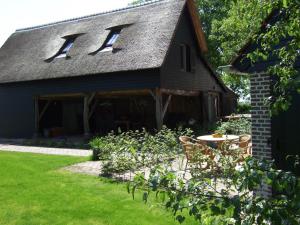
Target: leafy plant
244	107
231	201
235	126
129	151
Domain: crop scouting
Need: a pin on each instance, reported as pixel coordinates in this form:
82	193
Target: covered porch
101	112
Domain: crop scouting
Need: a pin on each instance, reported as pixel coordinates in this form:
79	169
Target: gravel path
43	150
95	168
89	167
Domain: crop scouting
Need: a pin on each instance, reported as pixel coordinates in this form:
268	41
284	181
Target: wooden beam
91	97
166	107
93	108
142	92
44	110
61	96
158	109
86	124
180	92
197	25
152	93
36	117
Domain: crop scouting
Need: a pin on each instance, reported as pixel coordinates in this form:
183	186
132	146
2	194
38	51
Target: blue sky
16	14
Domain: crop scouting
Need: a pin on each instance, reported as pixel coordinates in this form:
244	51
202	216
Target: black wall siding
285	135
17	99
171	75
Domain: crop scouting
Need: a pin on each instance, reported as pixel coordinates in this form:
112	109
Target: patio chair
198	157
242	148
245	143
186	140
239	149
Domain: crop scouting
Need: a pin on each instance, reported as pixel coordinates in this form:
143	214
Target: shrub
131	150
235	126
243	108
233	202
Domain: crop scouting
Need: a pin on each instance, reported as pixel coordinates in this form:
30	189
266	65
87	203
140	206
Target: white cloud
16	14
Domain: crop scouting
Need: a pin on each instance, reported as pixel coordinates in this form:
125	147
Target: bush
243	108
235	126
232	202
131	150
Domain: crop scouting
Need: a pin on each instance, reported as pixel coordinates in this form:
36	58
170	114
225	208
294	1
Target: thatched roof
143	44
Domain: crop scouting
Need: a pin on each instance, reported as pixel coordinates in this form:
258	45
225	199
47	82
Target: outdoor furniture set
199	153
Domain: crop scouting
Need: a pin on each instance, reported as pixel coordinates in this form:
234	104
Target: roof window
65	48
110	40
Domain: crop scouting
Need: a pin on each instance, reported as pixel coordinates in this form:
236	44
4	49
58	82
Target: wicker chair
186	140
245	144
238	149
196	153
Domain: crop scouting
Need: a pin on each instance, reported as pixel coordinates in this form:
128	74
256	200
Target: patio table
210	139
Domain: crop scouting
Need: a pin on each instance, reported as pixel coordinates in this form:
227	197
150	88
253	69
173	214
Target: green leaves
236	126
281	41
129	151
211	204
180	218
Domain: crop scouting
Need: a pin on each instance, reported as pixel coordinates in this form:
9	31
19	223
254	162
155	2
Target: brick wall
261	122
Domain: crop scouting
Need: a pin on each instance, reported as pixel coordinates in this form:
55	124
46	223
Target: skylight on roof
66	48
111	39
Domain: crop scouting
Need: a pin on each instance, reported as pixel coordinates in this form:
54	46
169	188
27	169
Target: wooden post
86	125
44	110
36	118
166	107
158	109
93	109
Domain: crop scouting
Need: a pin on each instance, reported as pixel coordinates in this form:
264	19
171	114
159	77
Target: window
65	48
185	58
111	39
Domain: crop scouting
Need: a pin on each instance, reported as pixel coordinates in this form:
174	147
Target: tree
287	28
239	21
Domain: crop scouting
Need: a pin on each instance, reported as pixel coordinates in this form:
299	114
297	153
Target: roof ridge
91	15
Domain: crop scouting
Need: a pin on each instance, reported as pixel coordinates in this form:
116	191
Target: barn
140	66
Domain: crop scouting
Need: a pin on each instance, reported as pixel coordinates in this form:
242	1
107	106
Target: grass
33	190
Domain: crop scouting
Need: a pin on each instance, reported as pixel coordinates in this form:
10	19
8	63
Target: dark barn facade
276	136
141	66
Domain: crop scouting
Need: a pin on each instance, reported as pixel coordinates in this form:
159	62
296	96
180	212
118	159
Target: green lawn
34	191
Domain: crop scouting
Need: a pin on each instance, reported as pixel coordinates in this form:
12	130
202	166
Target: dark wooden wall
285	135
17	99
171	75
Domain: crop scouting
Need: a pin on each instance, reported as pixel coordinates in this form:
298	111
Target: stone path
43	150
95	168
89	167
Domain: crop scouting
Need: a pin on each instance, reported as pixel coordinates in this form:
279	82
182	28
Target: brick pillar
261	121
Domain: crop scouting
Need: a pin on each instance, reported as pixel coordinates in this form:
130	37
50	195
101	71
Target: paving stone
43	150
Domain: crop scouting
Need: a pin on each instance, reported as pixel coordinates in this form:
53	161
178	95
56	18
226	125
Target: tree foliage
287	29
